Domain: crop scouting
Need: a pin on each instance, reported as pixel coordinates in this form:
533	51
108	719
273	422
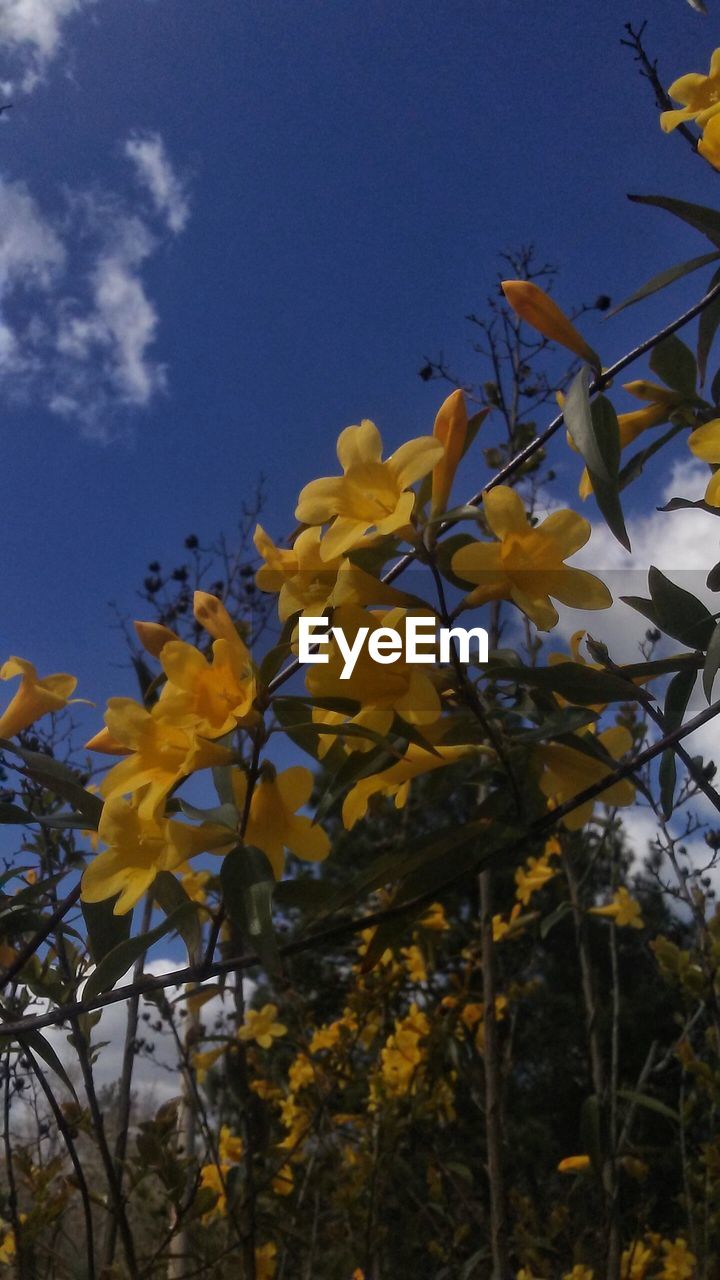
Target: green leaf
712	663
573	681
679	692
57	777
634	466
698	216
248	883
37	1044
579	422
684	504
170	896
548	922
663	279
680	614
565	720
105	930
12	814
675	363
115	964
590	1132
707	328
607	492
652	1104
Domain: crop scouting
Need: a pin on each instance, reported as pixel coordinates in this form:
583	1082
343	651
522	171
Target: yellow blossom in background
139	847
230	1147
415	966
400	1059
283	1182
35	696
699	97
210	697
501	927
265	1261
371	494
394	781
273	824
300	1073
261	1025
635	1261
501	1006
402	687
579	1272
565	773
160	755
574	1164
202	1062
214	1177
678	1262
194	882
7	1244
526	565
326	1037
705	444
624	910
533	876
435	920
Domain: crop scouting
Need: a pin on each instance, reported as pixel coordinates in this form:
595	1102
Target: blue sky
229	230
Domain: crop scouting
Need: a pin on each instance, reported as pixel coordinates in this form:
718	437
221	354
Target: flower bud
536	308
153	636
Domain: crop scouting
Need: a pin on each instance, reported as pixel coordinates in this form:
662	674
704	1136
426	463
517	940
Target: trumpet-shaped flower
213	697
394	781
273	823
566	772
532	877
371	494
261	1025
35	697
403	687
306	583
698	95
138	848
526	565
161	753
451	428
624	910
704	442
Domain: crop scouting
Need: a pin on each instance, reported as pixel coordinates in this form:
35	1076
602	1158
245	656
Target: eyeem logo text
421	641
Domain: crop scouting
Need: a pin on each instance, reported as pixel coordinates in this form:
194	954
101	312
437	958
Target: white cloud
77	325
31	36
154	171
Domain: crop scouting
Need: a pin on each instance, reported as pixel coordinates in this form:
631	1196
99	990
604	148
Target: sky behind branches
229	230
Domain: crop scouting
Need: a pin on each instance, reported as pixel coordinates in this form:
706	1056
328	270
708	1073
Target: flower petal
318	501
505	511
415	459
359	444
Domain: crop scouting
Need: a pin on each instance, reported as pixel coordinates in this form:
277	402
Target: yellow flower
211	613
574	1164
679	1262
209	697
35	696
283	1181
215	1178
567	772
160	753
635	1261
230	1148
273	824
265	1261
403	687
450	429
662	402
194	882
139	846
579	1272
395	780
261	1026
435	919
704	442
301	1073
698	94
709	144
153	636
414	963
501	928
371	494
536	308
624	910
202	1062
526	565
326	1037
7	1243
532	877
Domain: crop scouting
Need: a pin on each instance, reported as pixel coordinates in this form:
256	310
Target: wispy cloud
156	173
77	325
31	36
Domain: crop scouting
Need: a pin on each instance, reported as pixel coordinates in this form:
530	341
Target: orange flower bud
450	429
536	308
153	636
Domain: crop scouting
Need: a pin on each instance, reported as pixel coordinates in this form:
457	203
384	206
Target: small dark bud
425	373
191	542
602	303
